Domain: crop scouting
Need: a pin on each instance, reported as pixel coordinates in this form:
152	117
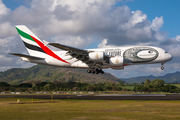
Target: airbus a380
94	60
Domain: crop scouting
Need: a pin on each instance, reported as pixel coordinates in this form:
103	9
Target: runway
102	97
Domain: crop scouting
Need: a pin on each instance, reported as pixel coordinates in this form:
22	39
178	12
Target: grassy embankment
88	109
129	86
177	85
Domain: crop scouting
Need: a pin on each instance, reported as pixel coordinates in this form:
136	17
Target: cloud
3	9
177	38
73	41
103	44
157	23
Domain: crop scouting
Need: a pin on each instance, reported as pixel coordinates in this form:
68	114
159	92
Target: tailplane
27	56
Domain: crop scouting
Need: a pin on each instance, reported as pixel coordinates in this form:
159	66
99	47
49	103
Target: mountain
51	74
168	78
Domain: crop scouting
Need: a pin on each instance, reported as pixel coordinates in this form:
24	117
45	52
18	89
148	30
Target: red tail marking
48	51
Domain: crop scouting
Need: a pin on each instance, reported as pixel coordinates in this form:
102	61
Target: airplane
94	60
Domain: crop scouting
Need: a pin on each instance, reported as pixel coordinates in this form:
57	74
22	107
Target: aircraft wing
27	56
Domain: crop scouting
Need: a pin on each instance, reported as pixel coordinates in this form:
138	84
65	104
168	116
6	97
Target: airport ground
73	109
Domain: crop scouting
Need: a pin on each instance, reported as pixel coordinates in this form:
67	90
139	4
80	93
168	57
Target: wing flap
27	56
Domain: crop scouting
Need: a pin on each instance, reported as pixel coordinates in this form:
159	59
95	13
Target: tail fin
34	45
31	41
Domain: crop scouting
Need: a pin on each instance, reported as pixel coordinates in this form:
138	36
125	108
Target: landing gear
162	67
96	71
89	71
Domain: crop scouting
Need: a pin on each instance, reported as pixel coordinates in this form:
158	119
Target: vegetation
43	73
88	109
156	85
168	78
61	86
48	78
130	86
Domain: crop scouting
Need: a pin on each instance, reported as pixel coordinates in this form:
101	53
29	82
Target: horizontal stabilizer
27	56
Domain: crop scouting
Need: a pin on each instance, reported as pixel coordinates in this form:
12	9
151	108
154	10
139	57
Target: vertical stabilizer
34	45
31	41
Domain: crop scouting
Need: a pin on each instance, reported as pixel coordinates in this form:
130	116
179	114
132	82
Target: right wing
27	56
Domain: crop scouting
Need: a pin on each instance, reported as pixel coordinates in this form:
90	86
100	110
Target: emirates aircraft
94	60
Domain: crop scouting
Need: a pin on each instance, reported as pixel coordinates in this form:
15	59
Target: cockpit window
166	52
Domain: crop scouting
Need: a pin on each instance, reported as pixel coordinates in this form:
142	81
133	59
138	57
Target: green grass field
129	86
88	110
177	85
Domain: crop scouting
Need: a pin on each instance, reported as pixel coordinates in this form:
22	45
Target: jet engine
116	61
97	56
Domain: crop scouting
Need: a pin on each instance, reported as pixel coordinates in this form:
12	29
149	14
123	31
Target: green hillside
51	74
168	78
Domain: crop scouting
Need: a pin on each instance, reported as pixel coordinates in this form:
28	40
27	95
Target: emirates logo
117	61
97	56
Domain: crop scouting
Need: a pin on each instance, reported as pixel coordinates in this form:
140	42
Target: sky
93	24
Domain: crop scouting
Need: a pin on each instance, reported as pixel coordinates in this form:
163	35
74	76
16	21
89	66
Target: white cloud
137	17
3	9
78	41
178	37
103	44
7	30
157	23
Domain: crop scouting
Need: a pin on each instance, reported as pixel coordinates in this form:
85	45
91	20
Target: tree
42	84
12	89
48	87
28	85
147	83
89	88
171	88
121	83
157	83
75	88
142	83
4	84
139	88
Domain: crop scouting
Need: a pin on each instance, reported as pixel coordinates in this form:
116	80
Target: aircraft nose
169	57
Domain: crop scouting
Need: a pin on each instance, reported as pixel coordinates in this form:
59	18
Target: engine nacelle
116	61
118	68
97	56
